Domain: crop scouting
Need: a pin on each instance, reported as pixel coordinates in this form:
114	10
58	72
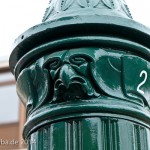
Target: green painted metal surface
96	133
83	75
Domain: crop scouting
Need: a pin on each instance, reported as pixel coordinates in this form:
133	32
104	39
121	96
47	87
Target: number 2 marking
143	82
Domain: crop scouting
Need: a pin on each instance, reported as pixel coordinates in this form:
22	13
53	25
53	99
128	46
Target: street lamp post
84	77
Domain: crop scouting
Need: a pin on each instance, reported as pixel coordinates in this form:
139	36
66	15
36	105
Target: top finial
64	8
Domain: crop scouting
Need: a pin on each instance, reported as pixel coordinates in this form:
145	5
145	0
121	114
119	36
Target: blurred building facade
12	112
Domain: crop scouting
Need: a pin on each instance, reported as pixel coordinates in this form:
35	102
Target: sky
16	16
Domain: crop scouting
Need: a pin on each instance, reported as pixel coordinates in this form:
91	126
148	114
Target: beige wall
11	131
9	136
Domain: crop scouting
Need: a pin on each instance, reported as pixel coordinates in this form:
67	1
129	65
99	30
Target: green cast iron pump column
84	76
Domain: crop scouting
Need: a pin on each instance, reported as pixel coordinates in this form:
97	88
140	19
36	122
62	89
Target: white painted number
143	73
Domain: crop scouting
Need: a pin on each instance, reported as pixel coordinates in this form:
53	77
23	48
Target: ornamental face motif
70	74
83	74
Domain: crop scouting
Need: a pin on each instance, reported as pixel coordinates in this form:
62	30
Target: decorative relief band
76	7
83	74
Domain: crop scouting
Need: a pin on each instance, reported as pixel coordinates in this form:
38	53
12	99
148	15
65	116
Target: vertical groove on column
104	135
148	137
38	140
79	128
69	141
115	135
140	138
33	141
51	137
110	133
137	144
45	139
75	135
